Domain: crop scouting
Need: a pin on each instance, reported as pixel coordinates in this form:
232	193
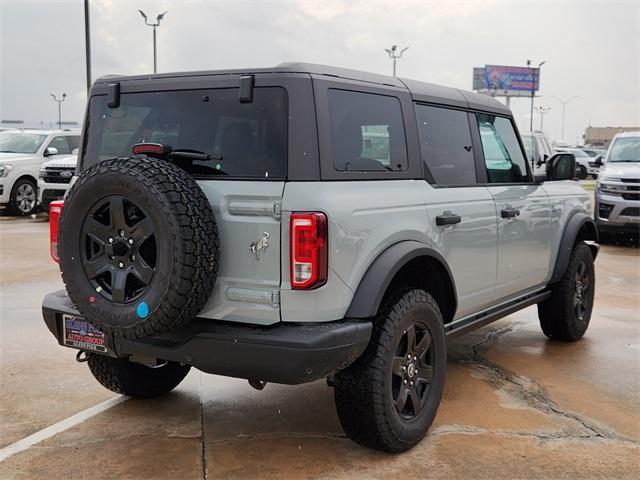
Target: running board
464	325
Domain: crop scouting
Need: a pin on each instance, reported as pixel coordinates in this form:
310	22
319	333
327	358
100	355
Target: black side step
462	326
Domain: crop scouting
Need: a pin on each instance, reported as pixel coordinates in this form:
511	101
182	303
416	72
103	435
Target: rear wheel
24	196
566	314
136	380
389	397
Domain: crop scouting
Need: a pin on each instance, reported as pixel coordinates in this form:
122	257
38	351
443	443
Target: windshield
20	142
242	139
625	149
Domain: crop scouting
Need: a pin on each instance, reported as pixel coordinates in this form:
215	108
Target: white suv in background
55	179
585	164
538	149
22	153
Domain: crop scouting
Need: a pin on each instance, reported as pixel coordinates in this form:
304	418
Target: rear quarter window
367	132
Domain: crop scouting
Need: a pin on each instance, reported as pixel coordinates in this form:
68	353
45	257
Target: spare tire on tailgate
138	246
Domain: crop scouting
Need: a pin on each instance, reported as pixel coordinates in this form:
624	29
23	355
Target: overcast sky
591	48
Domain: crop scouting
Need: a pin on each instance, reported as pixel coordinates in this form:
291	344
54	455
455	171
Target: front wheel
134	379
388	398
565	315
24	196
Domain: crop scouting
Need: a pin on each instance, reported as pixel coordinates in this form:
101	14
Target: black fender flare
368	296
575	223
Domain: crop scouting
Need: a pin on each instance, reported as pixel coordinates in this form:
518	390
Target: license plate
78	333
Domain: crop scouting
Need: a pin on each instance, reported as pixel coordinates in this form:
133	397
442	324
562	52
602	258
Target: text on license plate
78	333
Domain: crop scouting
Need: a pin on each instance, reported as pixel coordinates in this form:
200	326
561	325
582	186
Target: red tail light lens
149	148
309	250
55	209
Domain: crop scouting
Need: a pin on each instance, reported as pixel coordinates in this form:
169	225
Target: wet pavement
515	405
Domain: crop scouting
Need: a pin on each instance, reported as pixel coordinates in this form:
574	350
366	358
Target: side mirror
562	166
598	161
75	151
50	151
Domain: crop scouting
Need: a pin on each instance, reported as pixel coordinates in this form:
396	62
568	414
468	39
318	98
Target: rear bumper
289	353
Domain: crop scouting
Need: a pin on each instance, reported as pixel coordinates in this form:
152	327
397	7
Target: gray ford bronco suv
306	222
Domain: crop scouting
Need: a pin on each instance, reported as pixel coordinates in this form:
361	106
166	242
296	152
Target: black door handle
448	218
509	212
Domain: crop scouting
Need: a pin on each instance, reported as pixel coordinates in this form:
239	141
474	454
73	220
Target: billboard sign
511	79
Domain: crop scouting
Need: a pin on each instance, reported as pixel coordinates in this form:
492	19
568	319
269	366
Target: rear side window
445	145
367	132
247	140
503	156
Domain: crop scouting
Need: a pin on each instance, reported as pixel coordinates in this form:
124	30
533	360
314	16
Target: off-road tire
13	208
364	391
557	314
134	379
187	246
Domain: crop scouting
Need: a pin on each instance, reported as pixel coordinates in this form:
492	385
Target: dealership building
602	136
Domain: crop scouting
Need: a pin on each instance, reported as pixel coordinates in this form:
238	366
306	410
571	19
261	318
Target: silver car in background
618	188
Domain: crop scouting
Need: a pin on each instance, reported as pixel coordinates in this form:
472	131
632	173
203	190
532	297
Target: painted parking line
67	423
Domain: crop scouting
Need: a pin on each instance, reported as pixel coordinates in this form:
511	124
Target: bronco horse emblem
260	245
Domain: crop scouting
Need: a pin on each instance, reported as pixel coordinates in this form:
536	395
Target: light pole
533	88
542	111
394	55
59	102
154	25
564	105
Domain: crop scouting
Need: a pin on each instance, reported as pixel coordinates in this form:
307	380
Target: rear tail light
309	250
55	209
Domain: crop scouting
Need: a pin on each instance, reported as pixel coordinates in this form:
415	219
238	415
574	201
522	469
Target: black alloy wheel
119	249
412	370
581	297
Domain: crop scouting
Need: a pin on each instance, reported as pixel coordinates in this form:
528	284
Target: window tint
61	144
367	132
445	143
243	139
502	153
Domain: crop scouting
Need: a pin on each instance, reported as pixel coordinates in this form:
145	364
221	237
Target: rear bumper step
289	353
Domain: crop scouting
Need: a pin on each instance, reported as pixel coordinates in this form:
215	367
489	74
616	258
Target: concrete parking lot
515	406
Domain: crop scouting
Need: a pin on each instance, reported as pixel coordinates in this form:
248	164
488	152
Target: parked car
54	179
538	149
595	152
295	223
585	164
22	153
618	189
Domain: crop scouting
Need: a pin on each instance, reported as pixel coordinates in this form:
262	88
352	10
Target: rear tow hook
82	356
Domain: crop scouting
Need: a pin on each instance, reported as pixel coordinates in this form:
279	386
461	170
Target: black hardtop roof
420	91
